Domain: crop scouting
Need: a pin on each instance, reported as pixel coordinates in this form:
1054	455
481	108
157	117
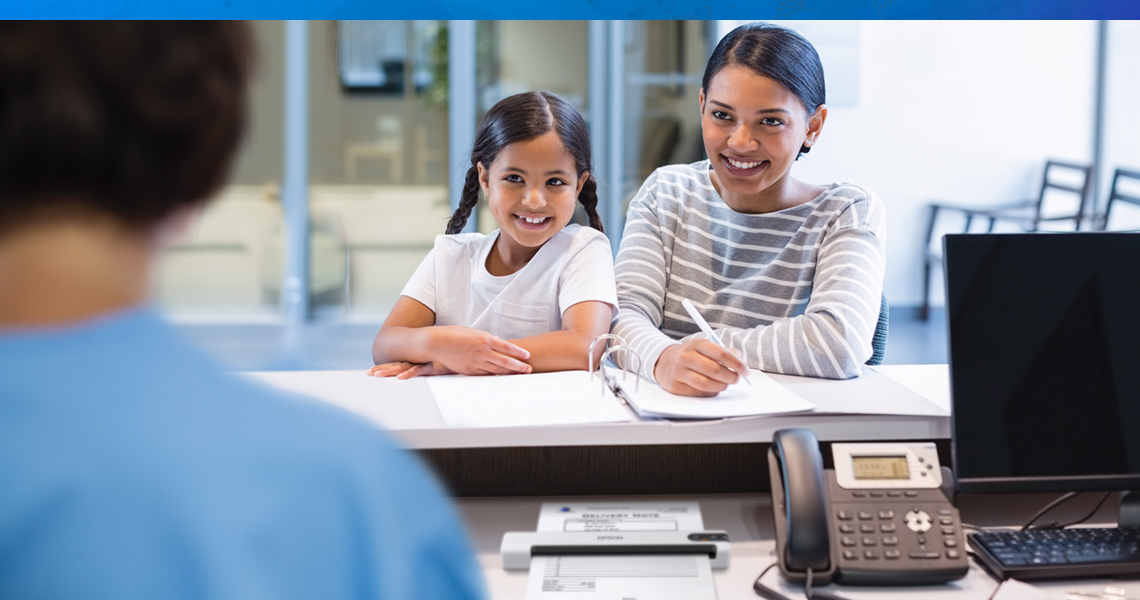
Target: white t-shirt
573	266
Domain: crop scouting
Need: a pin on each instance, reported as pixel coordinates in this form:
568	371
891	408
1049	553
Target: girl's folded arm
405	335
569	349
409	335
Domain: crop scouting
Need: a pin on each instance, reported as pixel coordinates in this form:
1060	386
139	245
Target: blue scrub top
132	467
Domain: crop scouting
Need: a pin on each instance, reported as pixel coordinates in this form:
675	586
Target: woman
788	273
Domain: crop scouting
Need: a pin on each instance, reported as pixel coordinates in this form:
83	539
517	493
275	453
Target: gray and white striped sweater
795	291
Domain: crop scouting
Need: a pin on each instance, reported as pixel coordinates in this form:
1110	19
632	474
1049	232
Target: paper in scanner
621	577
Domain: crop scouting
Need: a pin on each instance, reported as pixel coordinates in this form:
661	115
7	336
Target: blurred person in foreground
130	466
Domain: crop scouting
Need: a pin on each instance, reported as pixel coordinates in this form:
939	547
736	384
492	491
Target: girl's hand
698	367
472	352
407	370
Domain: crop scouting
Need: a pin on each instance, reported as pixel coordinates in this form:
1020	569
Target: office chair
879	339
1028	214
1115	193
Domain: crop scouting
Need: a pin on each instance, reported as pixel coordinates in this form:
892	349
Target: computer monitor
1044	335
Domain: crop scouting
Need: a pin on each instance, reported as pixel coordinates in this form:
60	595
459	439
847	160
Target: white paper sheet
624	516
871	393
634	577
568	397
621	577
763	397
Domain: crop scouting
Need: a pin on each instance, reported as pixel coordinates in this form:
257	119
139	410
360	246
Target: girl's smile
532	222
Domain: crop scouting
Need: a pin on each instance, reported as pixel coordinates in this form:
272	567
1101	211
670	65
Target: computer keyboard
1059	553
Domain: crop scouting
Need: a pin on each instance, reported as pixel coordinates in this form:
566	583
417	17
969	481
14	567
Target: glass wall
661	121
377	159
227	265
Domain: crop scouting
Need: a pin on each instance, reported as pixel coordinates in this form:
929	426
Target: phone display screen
880	467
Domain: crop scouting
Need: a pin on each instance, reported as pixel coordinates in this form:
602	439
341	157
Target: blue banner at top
573	9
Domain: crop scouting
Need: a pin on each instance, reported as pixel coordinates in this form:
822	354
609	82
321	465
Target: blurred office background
361	132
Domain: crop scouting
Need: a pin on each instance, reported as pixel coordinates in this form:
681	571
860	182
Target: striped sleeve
641	273
832	338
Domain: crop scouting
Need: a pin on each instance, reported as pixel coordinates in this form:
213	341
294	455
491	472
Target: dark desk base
612	470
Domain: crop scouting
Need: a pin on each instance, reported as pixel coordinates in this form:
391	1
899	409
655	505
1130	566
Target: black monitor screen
1045	360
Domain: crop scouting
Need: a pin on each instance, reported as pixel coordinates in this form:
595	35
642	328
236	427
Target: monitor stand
1129	509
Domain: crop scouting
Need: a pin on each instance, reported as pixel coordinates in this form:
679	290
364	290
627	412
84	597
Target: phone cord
771	594
818	594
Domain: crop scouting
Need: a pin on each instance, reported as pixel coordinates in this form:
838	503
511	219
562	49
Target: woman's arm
568	349
641	274
696	368
832	339
409	337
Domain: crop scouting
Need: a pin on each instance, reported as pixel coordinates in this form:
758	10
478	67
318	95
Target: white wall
962	111
1122	116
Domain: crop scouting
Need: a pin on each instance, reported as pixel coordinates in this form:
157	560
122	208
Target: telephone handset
878	518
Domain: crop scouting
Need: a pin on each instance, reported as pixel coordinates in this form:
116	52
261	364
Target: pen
704	325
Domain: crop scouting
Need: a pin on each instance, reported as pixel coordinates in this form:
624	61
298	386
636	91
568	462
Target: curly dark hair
131	119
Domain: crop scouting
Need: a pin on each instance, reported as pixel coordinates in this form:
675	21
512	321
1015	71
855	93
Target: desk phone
878	518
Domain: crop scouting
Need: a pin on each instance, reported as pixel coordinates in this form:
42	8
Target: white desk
918	394
748	520
408	410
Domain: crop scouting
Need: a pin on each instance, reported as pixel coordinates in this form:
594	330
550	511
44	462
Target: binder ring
608	336
624	370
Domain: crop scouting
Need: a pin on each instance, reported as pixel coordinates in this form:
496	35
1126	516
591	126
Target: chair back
879	339
1064	177
1117	193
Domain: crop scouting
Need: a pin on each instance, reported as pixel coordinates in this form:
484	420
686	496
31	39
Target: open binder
649	400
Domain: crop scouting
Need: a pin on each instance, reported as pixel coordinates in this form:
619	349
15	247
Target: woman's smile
743	168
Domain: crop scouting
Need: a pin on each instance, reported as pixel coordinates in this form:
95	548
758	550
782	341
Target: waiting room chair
879	339
1059	176
1117	193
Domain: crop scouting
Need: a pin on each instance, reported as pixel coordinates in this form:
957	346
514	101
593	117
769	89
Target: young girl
529	297
789	273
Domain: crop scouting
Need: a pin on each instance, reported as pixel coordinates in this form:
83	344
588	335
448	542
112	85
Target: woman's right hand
469	351
697	367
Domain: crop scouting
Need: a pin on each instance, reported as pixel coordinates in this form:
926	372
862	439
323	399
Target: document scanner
519	546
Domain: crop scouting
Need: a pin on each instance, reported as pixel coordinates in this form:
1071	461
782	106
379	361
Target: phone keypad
881	537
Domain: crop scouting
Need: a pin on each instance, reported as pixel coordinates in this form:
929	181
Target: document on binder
621	577
763	397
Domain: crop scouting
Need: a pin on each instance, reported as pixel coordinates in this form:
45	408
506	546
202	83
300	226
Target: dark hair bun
134	118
